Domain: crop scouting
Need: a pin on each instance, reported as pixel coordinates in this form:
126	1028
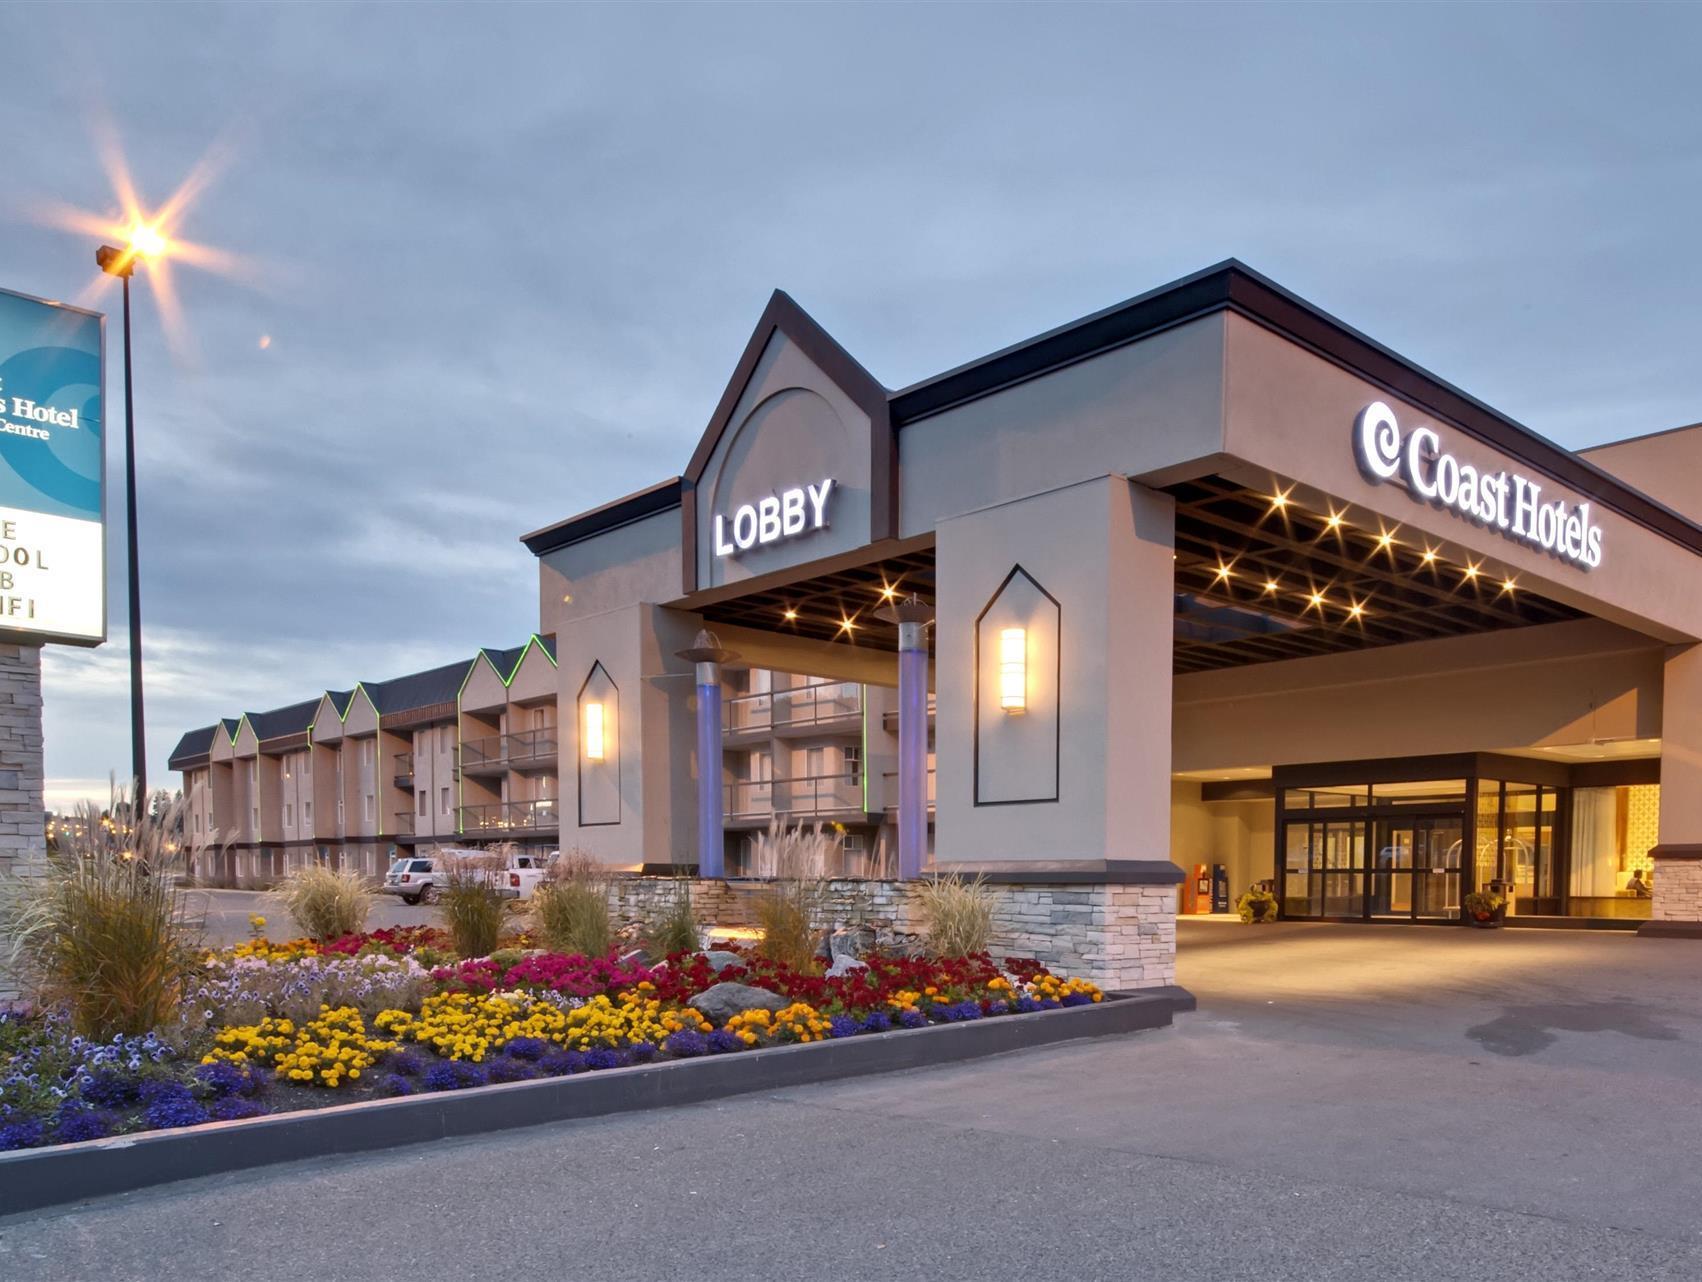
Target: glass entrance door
1415	868
1324	868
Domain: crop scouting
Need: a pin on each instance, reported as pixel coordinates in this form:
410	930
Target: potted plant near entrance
1485	909
1257	906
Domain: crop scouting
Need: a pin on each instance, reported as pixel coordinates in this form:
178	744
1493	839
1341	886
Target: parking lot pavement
228	912
1347	1103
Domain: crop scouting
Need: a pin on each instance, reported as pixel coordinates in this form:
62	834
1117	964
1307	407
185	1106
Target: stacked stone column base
1120	937
1677	906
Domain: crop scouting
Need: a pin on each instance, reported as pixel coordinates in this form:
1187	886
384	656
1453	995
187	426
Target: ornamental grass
673	928
325	903
473	912
570	907
797	859
104	933
957	915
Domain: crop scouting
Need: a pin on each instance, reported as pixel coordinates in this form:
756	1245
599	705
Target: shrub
325	904
797	859
1256	905
472	910
674	928
957	915
106	932
570	908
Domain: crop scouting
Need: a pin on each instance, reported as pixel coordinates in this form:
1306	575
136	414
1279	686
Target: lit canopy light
1271	585
1355	610
1334	521
1315	599
847	625
1279	500
1013	669
1223	572
1385	540
790	615
594	740
1429	557
888	591
1470	572
1509	584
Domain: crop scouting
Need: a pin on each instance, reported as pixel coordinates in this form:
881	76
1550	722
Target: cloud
507	257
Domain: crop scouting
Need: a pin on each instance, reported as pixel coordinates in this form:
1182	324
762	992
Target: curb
31	1179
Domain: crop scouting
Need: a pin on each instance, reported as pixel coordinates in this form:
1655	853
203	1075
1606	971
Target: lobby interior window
1613	830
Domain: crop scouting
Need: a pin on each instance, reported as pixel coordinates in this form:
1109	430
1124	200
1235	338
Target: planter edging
31	1179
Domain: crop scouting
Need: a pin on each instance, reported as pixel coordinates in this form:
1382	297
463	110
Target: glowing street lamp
146	241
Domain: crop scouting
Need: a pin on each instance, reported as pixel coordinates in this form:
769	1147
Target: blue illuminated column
708	655
913	618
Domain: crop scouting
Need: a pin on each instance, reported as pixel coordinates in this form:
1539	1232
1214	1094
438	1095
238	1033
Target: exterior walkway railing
816	795
822	703
518	751
511	817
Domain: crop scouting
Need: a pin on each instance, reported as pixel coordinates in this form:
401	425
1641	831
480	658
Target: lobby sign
1503	501
52	472
786	515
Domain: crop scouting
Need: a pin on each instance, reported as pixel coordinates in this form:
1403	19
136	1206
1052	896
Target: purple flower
528	1048
958	1013
25	1134
686	1044
453	1075
1000	1007
408	1063
111	1089
605	1058
1027	1005
77	1122
912	1018
561	1063
722	1041
1078	999
843	1026
234	1108
222	1079
395	1084
170	1105
643	1052
878	1021
506	1068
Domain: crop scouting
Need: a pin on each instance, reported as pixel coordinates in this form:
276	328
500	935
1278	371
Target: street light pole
122	263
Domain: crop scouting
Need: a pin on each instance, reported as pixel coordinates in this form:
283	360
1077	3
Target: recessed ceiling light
1271	585
789	615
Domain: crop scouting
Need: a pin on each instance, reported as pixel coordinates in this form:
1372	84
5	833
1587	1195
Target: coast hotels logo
1504	501
769	520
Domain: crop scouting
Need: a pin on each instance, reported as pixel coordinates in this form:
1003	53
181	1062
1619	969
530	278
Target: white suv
413	877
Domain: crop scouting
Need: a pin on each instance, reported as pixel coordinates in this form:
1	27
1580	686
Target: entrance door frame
1472	767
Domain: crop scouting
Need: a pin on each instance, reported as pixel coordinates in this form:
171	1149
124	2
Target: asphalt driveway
1386	1103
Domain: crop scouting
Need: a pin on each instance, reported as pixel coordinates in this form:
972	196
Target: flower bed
278	1027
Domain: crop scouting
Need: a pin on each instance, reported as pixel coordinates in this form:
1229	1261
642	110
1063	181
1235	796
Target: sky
504	259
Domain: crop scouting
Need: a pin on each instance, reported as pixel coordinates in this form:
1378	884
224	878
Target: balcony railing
500	752
890	780
889	719
510	817
822	703
818	795
404	776
404	823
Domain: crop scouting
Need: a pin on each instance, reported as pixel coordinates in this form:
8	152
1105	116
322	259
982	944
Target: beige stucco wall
1666	466
1139	410
1564	683
1289	417
1103	550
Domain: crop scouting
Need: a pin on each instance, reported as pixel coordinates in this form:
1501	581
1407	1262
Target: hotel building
1206	578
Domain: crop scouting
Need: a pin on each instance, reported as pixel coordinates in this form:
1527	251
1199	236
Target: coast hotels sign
52	473
772	519
1503	501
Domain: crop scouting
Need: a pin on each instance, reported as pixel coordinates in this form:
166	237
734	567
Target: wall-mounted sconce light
1013	669
593	731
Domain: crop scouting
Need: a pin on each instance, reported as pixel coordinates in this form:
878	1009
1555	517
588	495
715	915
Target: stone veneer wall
1678	889
23	832
1120	937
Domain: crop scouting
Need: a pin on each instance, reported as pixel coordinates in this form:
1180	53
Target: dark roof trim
600	520
1233	286
187	755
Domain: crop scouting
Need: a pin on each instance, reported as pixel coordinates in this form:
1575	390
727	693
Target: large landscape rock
721	960
844	965
721	1002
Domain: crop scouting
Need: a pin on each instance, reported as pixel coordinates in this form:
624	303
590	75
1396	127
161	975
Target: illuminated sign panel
52	472
770	520
1503	501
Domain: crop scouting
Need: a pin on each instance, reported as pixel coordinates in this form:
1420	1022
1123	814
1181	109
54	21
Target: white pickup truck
419	877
